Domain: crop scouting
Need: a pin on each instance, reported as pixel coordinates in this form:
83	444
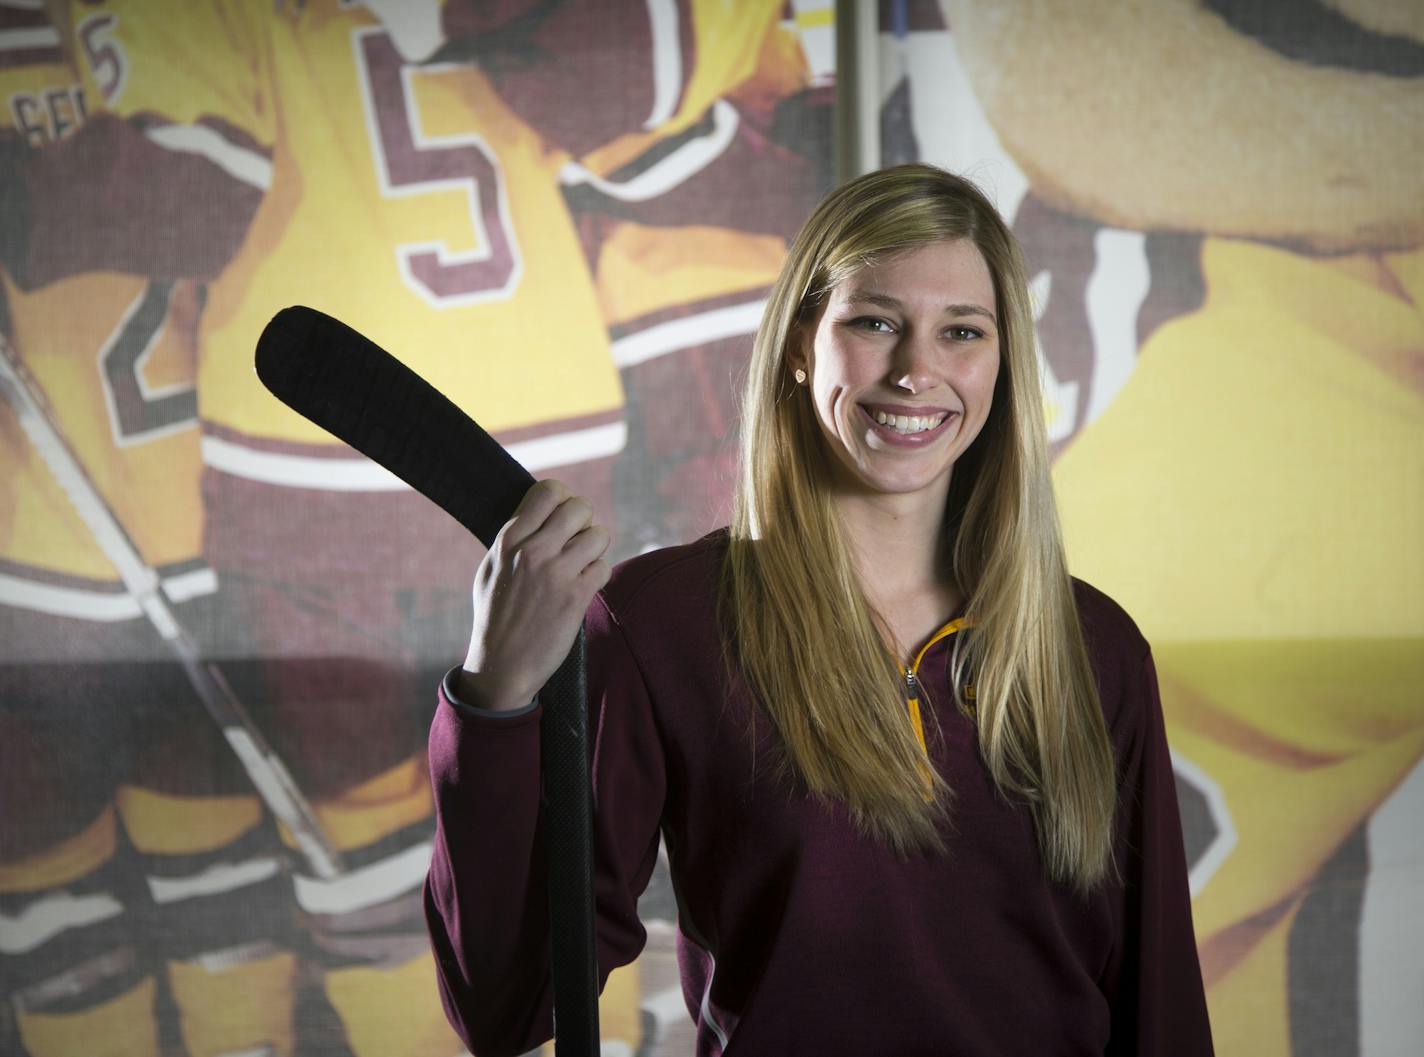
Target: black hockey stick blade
354	389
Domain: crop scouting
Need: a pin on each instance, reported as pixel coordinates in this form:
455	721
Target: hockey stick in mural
270	777
349	386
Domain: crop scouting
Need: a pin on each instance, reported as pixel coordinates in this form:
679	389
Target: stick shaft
568	824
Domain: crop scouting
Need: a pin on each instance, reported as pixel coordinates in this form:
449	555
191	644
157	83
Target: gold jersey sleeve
112	358
1266	450
646	272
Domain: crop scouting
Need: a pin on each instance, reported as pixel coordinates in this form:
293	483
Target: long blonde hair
801	629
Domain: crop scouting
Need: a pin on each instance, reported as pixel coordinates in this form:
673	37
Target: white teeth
908	423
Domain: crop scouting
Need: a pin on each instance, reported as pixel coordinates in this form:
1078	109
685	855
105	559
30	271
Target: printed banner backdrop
571	231
567	220
1222	209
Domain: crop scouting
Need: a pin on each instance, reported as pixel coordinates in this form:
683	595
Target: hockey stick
357	391
271	779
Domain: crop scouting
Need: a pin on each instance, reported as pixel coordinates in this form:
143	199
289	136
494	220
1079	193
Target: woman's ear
798	348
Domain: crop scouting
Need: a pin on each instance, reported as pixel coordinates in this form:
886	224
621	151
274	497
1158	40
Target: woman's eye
965	333
874	324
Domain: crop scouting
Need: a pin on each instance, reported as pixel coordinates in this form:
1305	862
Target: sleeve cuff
447	687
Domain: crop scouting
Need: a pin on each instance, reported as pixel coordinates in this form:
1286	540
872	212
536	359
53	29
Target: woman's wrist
480	690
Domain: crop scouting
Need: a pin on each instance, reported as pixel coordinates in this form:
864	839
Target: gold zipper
912	695
912	680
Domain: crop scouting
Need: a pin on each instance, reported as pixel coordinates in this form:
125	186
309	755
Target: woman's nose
913	367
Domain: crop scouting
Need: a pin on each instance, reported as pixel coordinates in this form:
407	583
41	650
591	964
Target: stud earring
800	376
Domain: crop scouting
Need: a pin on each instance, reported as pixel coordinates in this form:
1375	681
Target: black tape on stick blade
354	389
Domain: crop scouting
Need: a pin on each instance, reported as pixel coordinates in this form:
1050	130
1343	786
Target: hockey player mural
407	168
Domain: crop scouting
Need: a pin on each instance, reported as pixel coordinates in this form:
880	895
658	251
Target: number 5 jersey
405	200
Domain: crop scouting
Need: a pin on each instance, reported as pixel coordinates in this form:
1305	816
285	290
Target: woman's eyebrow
967	308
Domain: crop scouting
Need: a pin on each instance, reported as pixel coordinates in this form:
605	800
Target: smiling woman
905	290
911	779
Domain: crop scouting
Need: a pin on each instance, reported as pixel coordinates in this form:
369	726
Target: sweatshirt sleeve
486	896
1159	1007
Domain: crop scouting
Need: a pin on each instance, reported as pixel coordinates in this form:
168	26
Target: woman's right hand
531	592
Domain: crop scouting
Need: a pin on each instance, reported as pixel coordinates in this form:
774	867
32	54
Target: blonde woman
912	779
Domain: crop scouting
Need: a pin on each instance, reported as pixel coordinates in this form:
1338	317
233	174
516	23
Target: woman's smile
910	426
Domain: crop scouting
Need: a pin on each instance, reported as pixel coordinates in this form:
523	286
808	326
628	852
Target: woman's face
901	367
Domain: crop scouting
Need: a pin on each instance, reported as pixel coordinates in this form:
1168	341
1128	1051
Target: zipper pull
912	686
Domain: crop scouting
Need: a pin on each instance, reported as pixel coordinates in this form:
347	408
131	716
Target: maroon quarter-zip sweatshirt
797	934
